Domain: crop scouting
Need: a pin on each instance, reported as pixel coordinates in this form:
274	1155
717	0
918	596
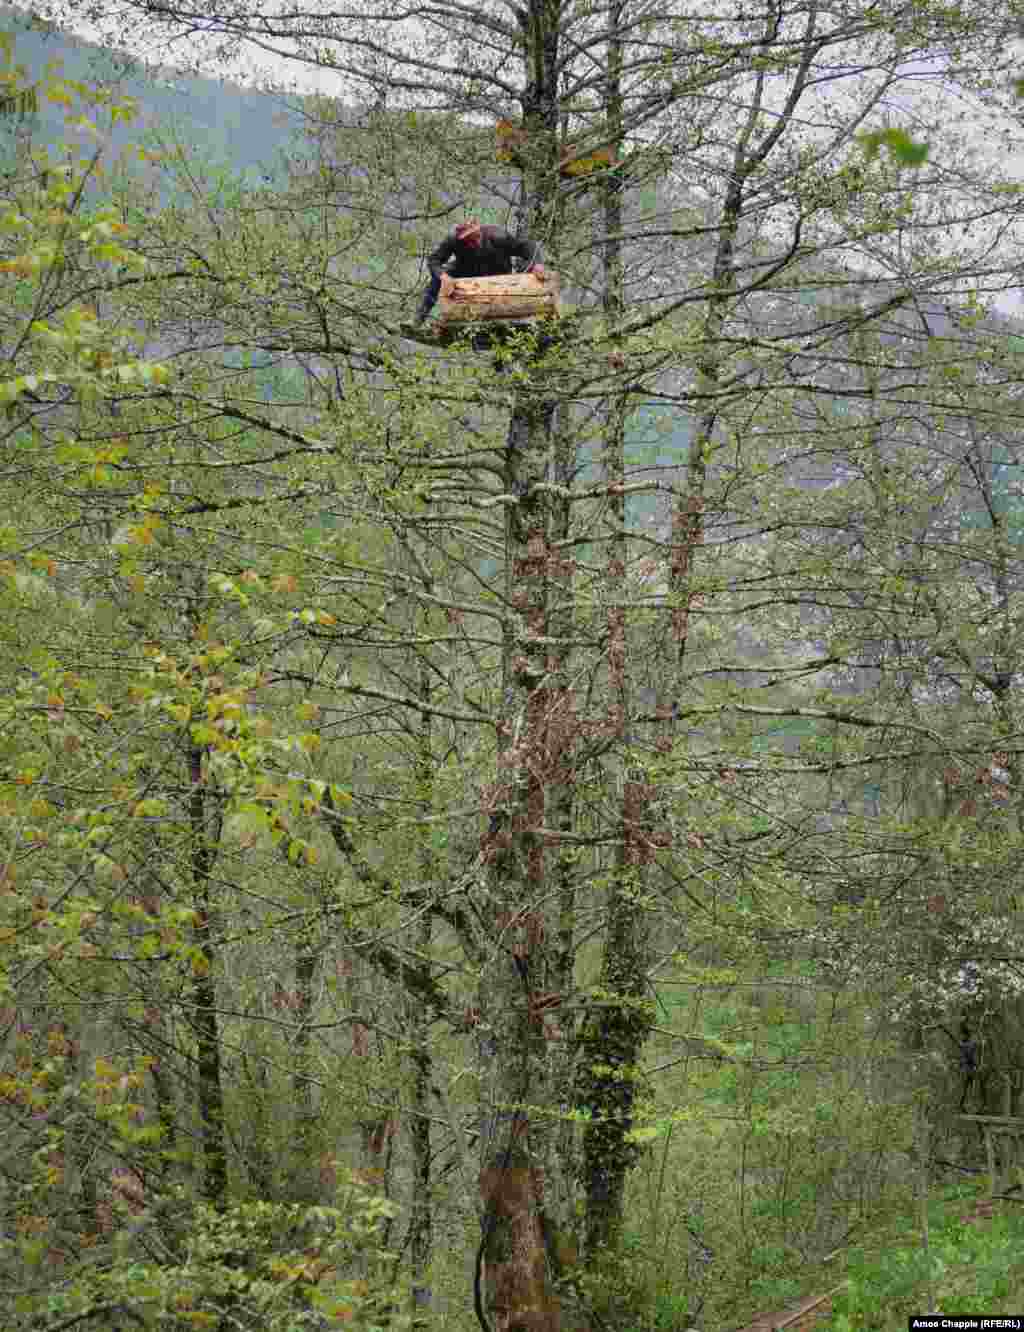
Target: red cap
468	232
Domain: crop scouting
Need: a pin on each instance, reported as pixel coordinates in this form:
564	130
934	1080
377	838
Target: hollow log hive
573	159
512	297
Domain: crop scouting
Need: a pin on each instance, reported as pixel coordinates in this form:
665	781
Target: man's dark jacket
491	257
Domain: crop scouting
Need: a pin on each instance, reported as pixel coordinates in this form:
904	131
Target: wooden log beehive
511	297
573	159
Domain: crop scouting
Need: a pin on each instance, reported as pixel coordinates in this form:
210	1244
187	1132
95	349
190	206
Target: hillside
237	125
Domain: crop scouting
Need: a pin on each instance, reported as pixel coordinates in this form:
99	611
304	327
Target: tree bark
205	1021
421	1222
618	1019
519	1098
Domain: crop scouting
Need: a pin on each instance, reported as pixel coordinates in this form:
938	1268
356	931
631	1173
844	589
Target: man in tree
478	251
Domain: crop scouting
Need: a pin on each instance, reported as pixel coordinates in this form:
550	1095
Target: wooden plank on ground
1012	1121
790	1320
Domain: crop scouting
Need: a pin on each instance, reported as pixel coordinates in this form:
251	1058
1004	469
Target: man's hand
539	272
447	283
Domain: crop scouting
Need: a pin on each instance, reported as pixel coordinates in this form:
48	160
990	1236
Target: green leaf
902	148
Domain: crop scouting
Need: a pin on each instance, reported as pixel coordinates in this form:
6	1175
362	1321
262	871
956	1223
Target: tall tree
693	180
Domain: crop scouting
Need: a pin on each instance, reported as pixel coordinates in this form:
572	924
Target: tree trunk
518	1068
618	1020
421	1219
204	1020
305	1178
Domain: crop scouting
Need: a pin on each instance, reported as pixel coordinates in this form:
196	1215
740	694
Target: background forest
530	838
